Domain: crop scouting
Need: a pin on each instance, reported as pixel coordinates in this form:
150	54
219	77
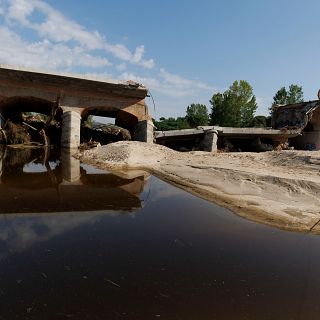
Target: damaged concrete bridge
73	98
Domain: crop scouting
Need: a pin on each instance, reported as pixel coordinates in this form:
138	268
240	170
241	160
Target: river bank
277	188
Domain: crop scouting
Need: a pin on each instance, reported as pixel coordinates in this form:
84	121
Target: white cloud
44	54
170	84
138	54
57	28
66	45
172	93
149	64
99	76
180	82
137	58
121	66
20	10
2	8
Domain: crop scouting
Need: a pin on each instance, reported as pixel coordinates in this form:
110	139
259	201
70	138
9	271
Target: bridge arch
23	90
124	119
13	106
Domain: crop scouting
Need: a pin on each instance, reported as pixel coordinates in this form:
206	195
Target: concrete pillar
143	131
70	167
71	124
209	141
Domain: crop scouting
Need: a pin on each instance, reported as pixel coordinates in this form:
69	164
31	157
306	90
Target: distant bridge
78	97
207	136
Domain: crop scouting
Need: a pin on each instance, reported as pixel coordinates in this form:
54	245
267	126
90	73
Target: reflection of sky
38	167
19	233
163	191
34	167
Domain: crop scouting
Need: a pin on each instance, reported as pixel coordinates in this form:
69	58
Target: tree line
235	107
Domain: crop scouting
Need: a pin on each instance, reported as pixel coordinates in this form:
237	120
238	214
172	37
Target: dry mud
278	188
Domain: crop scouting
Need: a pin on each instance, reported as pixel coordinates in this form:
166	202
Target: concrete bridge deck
23	90
208	135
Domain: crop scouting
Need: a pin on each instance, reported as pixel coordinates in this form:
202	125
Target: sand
277	188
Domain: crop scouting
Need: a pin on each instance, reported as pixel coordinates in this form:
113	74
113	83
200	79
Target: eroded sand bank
276	188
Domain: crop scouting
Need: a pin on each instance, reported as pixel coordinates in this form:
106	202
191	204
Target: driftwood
53	112
31	129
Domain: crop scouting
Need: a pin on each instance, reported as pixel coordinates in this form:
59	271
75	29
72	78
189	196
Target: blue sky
184	51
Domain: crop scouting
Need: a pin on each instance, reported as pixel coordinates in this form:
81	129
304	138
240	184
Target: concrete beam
99	97
238	133
251	132
70	82
178	133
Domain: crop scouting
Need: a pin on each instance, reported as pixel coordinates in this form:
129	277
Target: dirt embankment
276	188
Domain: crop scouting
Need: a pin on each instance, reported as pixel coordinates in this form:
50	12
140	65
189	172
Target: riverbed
277	188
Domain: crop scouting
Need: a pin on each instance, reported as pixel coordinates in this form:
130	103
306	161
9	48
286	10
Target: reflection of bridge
66	188
78	97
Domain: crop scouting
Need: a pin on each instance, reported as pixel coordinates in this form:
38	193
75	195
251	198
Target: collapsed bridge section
71	99
304	117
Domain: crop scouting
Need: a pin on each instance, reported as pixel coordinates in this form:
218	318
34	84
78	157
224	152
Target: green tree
260	121
280	97
89	121
219	110
235	107
295	94
197	115
284	96
171	124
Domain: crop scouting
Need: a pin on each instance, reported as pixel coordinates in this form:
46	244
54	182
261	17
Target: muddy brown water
81	243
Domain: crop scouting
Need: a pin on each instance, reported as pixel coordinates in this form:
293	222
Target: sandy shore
275	188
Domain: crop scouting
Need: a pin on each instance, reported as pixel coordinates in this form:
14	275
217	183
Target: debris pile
34	129
30	129
294	116
103	134
16	133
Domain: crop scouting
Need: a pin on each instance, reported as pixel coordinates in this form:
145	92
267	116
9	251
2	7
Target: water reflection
179	258
43	196
19	232
36	181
